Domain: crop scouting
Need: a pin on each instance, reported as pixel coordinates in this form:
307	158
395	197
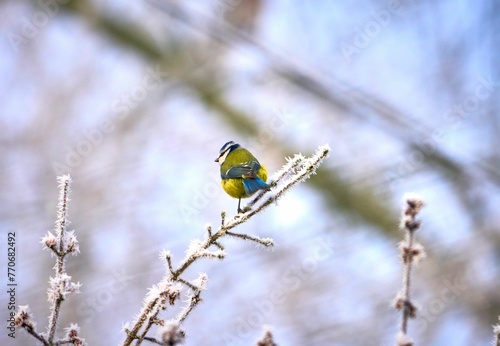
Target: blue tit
241	173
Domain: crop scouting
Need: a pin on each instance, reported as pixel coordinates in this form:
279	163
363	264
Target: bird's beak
217	159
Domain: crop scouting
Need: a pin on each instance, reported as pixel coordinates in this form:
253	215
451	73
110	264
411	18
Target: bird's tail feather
253	185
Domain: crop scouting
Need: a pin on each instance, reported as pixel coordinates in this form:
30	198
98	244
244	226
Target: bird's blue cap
229	145
227	148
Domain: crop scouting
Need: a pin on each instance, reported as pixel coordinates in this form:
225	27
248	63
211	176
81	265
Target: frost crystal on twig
403	340
171	334
267	339
73	336
295	171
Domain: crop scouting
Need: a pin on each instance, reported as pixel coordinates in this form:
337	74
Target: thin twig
195	300
60	230
63	342
407	305
411	252
266	241
132	334
37	336
188	284
152	319
153	340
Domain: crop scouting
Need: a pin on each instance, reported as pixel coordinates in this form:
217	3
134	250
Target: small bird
241	173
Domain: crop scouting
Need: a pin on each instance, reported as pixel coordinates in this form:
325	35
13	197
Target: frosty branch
411	252
168	290
64	242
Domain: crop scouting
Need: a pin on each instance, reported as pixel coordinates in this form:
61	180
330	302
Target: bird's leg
239	210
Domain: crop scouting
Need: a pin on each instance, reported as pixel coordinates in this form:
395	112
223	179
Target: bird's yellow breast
234	187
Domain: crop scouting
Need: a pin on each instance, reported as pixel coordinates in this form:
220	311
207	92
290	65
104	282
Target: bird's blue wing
247	172
242	171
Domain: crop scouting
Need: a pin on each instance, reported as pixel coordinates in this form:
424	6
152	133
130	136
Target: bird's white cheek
223	158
